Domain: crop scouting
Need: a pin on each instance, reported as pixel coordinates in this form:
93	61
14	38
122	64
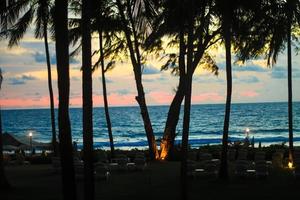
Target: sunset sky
25	80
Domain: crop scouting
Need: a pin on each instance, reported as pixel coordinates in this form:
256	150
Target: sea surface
268	124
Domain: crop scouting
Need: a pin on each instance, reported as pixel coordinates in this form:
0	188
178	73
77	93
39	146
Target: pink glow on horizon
249	94
38	102
160	97
115	99
210	96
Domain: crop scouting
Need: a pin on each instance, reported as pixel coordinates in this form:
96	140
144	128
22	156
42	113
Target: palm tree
39	11
65	137
87	100
226	24
292	10
4	184
130	26
107	116
275	31
205	35
107	26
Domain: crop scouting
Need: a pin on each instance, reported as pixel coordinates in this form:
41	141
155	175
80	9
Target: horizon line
153	105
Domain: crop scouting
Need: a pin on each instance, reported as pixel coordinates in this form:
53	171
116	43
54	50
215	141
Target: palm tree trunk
107	116
224	167
290	97
140	98
4	184
185	137
65	137
167	143
87	98
54	142
187	102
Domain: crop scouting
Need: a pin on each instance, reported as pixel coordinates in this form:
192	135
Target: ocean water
268	124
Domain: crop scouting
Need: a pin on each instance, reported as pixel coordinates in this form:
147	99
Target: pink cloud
210	96
249	94
160	97
37	102
114	99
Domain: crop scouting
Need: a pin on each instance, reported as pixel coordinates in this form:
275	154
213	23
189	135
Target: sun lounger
192	156
231	155
243	169
261	169
102	172
242	154
277	159
260	156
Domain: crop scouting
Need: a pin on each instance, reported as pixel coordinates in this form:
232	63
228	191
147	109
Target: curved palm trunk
290	98
223	174
65	137
4	184
54	142
107	116
135	57
87	99
167	143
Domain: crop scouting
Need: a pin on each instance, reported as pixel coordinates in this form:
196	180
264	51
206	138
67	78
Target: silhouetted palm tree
4	184
278	19
205	36
87	100
63	76
103	71
108	27
292	12
21	14
226	23
134	29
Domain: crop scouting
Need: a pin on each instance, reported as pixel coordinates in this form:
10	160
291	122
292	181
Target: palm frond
19	29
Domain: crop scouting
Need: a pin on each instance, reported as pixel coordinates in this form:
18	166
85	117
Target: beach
161	180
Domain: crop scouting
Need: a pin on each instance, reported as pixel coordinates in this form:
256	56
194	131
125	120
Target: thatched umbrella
8	139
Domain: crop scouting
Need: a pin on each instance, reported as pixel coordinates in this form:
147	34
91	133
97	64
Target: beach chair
192	168
205	156
102	172
260	156
242	154
231	154
119	163
192	156
139	163
20	160
277	159
56	166
261	169
243	169
101	157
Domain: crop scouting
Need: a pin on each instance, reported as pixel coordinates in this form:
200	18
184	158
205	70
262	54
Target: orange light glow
290	165
164	149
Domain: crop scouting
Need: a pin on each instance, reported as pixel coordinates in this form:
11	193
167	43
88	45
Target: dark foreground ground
159	181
